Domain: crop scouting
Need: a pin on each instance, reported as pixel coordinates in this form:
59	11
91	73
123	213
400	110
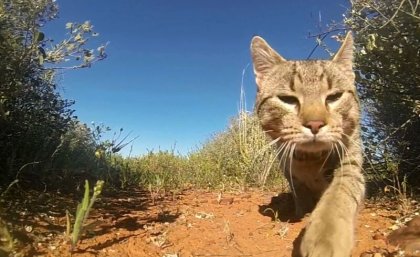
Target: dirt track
195	223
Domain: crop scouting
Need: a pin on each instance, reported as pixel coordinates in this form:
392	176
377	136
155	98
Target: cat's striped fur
311	109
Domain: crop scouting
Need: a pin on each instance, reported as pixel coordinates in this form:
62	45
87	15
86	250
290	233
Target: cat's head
312	104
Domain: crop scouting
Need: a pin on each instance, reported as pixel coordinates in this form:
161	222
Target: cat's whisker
340	159
292	150
350	158
358	143
344	150
283	159
345	154
273	142
325	161
274	158
348	154
284	151
278	151
337	151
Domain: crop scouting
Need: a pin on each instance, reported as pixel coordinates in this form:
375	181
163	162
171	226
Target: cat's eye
288	99
333	97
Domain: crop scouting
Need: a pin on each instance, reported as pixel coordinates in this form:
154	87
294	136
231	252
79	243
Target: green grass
239	157
235	159
83	209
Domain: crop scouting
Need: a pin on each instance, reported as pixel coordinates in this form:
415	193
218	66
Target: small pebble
28	228
379	236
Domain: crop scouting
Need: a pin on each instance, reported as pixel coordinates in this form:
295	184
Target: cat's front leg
327	236
330	231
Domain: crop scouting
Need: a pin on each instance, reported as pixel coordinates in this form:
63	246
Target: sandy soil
194	223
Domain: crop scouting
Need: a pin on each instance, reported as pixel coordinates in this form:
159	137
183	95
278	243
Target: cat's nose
314	125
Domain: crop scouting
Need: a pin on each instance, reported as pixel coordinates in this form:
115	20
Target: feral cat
311	109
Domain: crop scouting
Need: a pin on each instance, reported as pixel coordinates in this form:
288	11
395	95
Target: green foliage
76	149
33	116
72	49
82	212
387	35
34	120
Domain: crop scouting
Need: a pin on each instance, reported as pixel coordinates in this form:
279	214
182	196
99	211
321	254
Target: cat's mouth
314	145
305	156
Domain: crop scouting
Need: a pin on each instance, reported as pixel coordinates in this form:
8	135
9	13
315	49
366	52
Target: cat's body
312	110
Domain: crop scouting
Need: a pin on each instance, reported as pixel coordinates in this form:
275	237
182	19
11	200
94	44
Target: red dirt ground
194	223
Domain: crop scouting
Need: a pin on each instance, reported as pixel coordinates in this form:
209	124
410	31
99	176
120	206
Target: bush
162	170
35	121
387	38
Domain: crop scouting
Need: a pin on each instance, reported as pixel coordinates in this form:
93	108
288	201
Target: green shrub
76	150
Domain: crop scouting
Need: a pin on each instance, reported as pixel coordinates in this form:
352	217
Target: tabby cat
311	109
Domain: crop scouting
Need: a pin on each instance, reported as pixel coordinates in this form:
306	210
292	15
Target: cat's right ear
264	57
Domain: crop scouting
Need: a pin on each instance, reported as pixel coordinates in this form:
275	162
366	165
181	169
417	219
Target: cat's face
310	104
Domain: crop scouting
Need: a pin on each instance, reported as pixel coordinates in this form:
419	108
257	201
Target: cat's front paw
327	239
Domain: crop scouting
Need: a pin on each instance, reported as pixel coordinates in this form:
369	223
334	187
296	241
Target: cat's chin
314	146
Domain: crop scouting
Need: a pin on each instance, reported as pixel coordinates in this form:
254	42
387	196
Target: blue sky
174	68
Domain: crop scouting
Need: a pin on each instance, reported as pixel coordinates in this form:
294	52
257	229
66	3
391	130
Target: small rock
224	201
28	228
203	215
171	255
379	236
394	227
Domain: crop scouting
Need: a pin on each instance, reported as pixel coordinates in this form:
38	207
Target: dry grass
239	157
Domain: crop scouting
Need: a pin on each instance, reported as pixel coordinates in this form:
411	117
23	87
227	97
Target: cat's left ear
344	55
